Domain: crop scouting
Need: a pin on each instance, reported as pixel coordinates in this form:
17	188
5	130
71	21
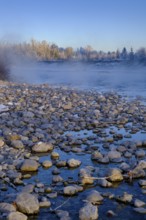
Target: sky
106	25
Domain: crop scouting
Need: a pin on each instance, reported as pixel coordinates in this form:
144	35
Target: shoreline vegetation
44	51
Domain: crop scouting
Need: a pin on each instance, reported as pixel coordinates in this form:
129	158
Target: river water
126	79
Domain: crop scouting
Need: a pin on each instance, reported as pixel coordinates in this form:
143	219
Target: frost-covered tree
124	54
141	54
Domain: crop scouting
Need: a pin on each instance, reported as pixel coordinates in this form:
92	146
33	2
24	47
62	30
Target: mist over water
126	79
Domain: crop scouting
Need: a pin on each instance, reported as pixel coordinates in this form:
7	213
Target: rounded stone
88	212
16	216
29	165
114	175
70	190
94	197
47	164
27	203
73	163
42	147
54	155
138	203
17	144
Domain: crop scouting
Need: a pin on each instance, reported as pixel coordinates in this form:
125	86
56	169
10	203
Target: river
128	80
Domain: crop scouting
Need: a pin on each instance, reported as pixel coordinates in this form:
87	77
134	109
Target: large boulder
27	203
42	147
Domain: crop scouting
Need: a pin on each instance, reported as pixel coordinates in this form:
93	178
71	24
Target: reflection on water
123	211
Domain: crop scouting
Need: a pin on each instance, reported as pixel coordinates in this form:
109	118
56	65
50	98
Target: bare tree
4	70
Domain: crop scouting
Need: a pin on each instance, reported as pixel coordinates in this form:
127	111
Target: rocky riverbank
70	154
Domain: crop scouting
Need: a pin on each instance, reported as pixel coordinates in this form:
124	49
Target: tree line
44	51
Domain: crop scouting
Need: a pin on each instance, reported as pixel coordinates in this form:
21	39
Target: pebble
54	155
140	210
47	164
138	203
70	190
45	204
73	163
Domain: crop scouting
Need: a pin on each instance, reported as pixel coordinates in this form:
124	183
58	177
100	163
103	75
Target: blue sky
103	24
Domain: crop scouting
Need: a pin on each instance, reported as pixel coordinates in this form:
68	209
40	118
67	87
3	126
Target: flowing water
126	79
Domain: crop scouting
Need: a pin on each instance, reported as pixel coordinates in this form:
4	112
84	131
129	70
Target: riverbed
92	142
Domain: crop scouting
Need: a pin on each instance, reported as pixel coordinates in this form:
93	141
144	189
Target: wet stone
6	207
140	153
28	188
94	197
125	198
52	195
62	214
70	190
85	177
17	144
128	154
57	179
104	183
61	163
41	147
27	203
96	155
44	204
56	171
16	216
114	175
114	155
47	164
104	160
29	165
110	213
138	203
54	155
142	182
88	212
73	163
138	173
140	210
1	143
